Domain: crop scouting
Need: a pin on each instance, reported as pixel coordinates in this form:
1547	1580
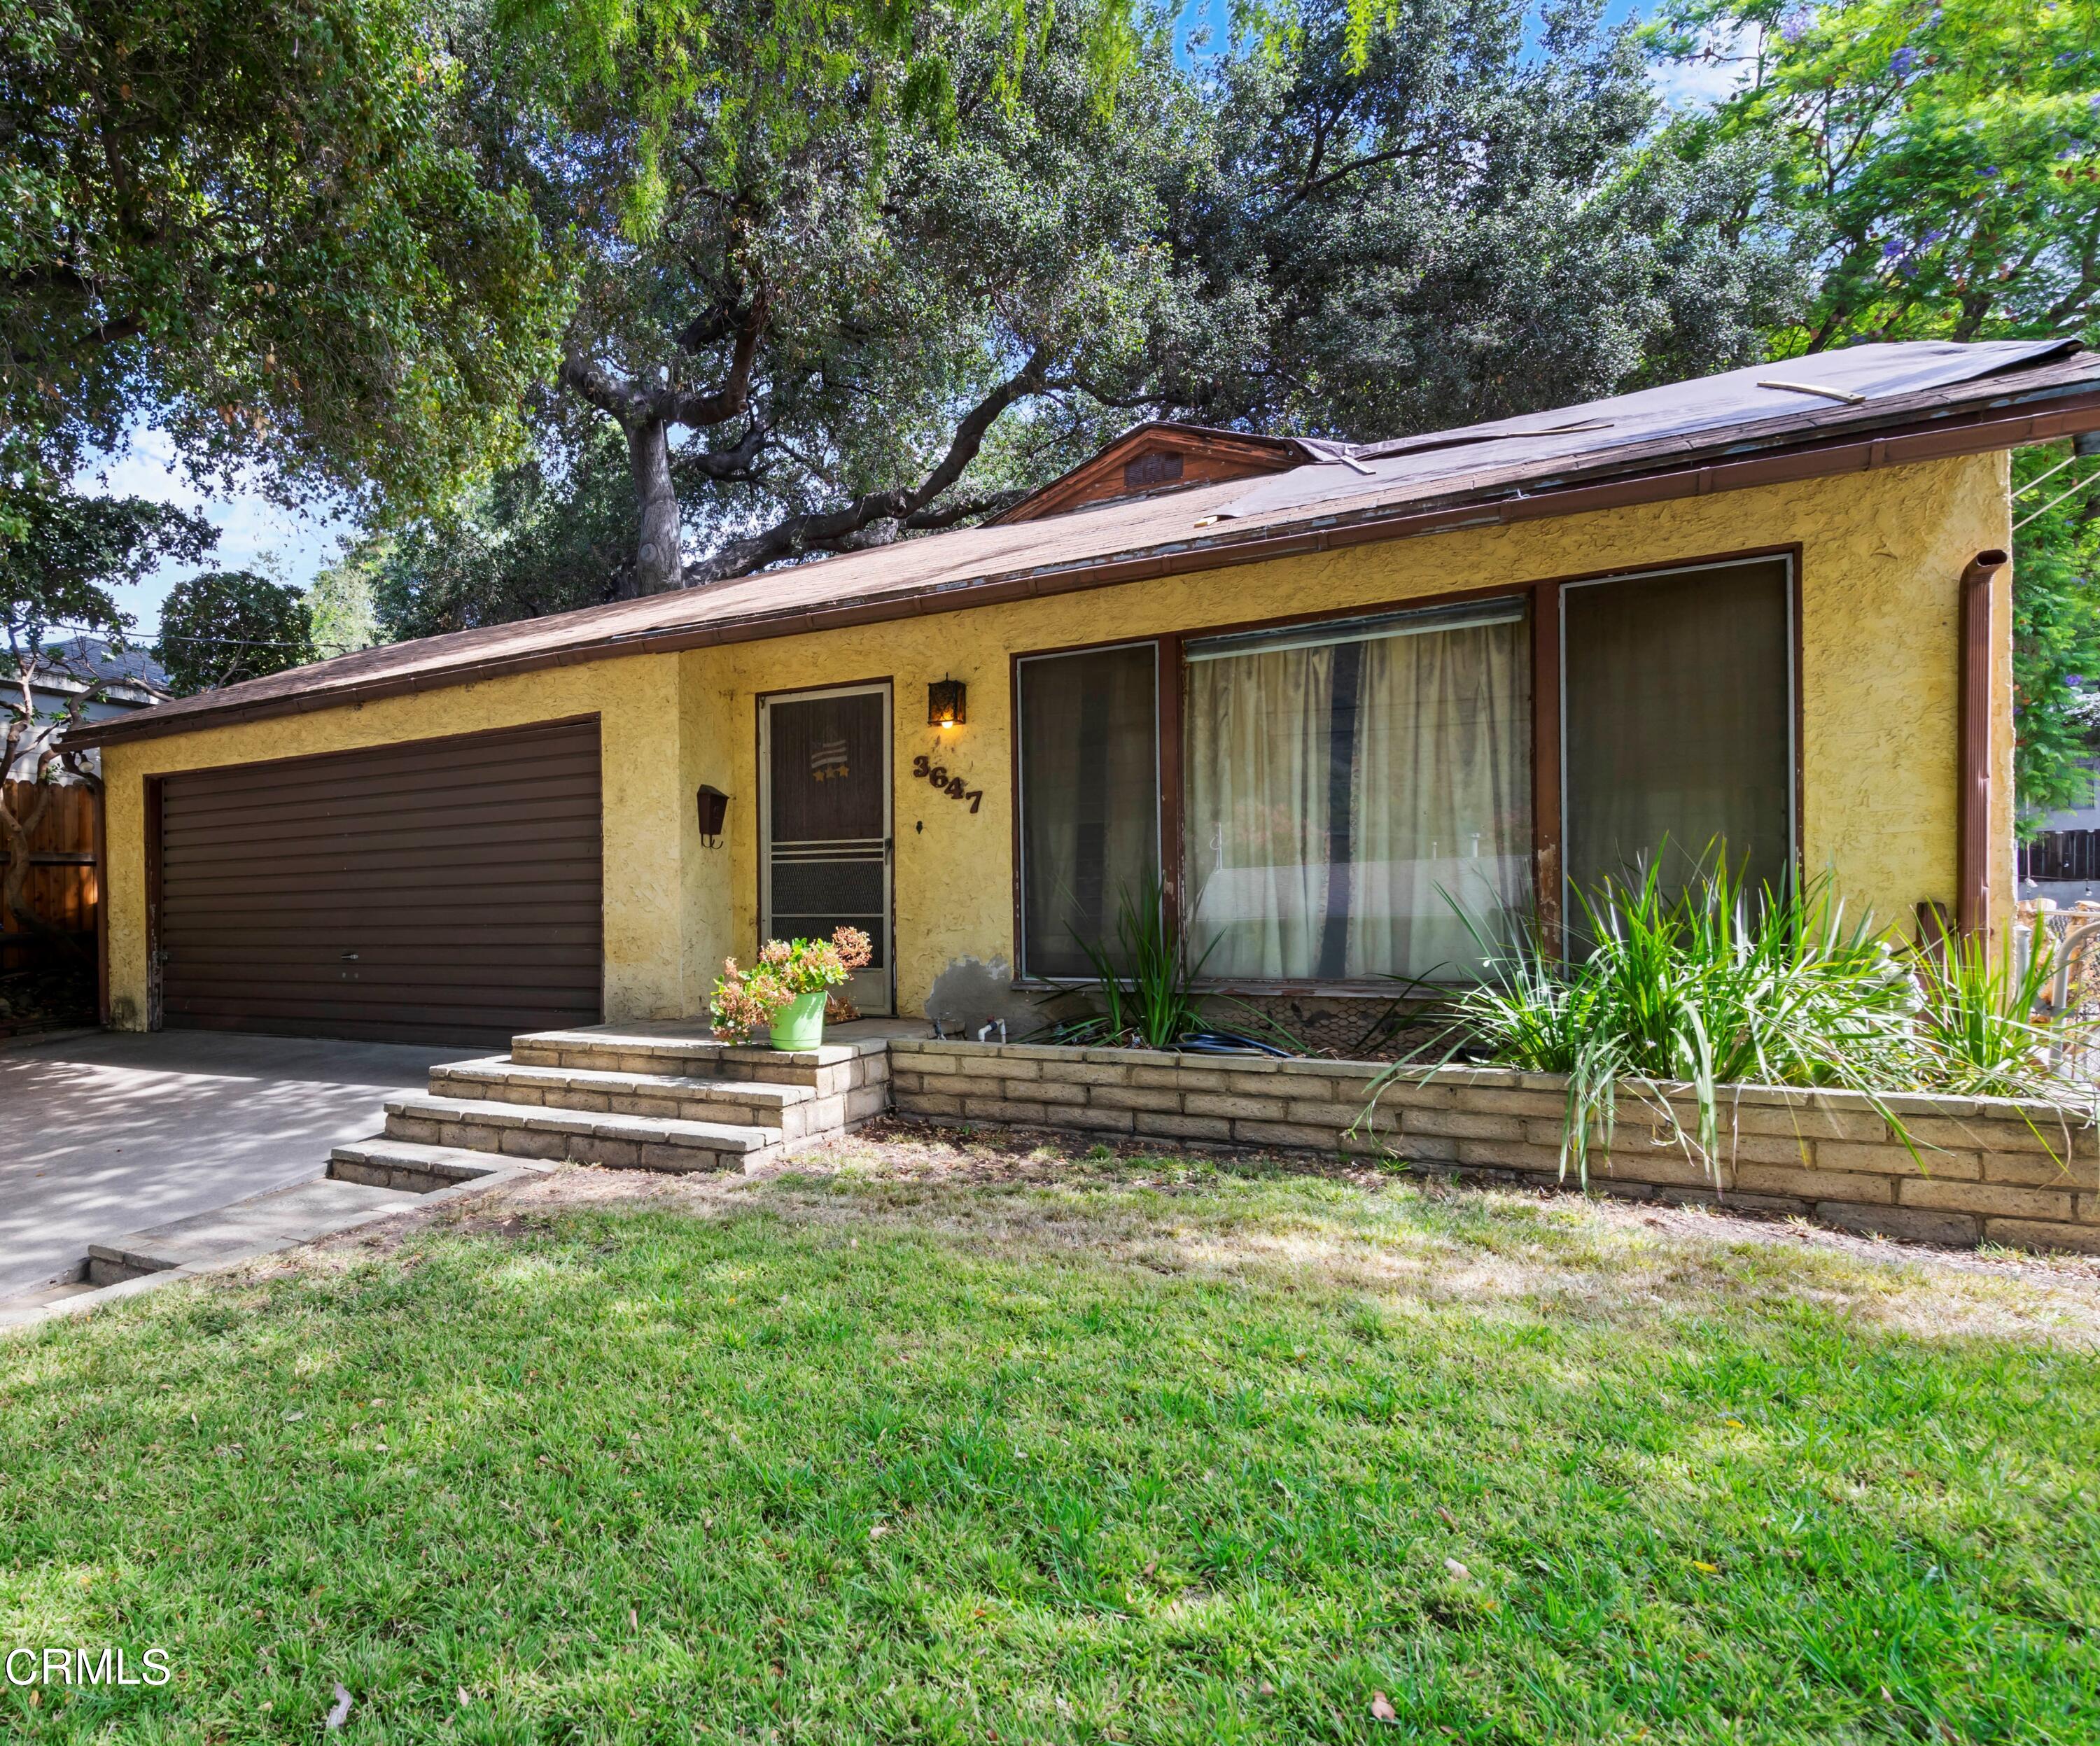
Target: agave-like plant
1673	997
1980	1025
1146	983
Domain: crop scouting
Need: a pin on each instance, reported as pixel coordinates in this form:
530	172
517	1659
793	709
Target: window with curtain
1355	792
1678	699
1089	726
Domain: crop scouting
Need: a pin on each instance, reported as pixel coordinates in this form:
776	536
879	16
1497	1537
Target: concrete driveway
101	1134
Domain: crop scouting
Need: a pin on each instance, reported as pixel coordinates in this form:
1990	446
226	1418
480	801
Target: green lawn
955	1446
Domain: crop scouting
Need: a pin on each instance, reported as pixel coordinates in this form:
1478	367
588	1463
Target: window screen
1678	734
1359	795
1089	799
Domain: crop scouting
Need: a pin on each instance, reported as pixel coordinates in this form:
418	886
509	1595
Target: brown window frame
1549	658
1543	603
1165	809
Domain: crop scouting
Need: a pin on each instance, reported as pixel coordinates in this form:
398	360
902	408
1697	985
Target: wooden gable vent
1159	457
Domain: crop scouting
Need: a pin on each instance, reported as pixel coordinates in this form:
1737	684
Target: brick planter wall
1986	1171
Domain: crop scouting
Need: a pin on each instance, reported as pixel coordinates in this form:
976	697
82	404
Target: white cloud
253	533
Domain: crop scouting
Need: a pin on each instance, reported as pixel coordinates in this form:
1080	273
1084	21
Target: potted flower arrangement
785	991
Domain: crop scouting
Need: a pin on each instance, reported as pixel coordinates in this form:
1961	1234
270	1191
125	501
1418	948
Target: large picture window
1089	799
1678	732
1352	787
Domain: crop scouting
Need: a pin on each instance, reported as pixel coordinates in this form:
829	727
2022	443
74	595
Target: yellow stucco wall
1882	554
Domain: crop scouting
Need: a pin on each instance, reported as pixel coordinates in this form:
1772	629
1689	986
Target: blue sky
255	534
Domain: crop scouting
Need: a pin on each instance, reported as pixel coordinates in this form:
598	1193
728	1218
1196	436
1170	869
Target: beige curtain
1423	737
1257	787
1442	801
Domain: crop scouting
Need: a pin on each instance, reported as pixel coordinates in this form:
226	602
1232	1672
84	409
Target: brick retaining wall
1987	1169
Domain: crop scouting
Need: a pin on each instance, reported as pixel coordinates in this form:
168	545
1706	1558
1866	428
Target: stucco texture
1882	553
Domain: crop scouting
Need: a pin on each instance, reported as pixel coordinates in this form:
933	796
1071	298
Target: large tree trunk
658	563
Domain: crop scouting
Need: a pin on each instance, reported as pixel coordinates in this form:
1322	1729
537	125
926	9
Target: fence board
62	892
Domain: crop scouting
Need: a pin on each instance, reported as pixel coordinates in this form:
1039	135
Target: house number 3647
926	770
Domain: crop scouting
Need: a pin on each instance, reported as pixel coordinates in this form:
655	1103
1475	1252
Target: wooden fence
62	891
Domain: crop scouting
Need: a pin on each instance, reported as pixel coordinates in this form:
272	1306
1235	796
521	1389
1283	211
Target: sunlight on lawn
926	1441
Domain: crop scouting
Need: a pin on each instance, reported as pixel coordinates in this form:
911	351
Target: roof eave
2017	419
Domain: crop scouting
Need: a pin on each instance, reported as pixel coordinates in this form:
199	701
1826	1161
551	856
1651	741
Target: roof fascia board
1994	427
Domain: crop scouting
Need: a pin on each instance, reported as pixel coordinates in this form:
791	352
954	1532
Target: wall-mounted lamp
714	808
944	699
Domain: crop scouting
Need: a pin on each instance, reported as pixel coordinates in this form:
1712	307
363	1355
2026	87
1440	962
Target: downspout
1979	642
101	847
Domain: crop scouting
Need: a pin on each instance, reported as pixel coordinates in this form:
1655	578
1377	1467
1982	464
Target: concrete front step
413	1169
520	1130
795	1110
255	1226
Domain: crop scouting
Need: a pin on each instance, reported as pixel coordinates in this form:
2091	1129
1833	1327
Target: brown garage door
444	890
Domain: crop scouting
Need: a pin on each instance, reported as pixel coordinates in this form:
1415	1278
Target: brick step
582	1137
796	1110
413	1169
682	1049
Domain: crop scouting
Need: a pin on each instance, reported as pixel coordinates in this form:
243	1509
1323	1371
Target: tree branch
832	529
601	389
700	410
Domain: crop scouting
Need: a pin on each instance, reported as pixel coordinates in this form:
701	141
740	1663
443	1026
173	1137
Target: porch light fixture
944	699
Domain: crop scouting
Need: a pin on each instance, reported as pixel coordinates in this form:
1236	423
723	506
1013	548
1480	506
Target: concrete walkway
104	1134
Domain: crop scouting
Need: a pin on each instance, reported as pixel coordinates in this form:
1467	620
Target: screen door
826	855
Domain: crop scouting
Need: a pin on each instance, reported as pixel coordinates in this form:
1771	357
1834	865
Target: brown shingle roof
1900	403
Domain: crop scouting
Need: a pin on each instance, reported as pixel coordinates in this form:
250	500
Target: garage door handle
349	958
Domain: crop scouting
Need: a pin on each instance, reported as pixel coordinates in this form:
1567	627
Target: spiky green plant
1147	985
1979	1020
1675	997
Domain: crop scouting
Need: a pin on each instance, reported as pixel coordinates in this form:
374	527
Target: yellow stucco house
1329	696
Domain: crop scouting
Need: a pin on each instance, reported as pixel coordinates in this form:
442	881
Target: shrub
1719	985
745	1001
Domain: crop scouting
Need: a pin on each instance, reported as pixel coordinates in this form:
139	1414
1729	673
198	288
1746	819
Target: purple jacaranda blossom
1901	63
1795	26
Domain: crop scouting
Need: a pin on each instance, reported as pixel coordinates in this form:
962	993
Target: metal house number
926	770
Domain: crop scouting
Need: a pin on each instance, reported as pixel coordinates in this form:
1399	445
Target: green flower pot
799	1025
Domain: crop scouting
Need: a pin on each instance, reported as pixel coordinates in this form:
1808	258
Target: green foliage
808	345
1459	227
1686	994
1942	157
251	224
958	1442
1145	981
1979	1022
2056	633
544	536
731	81
227	625
345	619
61	553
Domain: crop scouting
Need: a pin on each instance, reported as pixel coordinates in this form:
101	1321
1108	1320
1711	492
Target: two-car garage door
442	890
